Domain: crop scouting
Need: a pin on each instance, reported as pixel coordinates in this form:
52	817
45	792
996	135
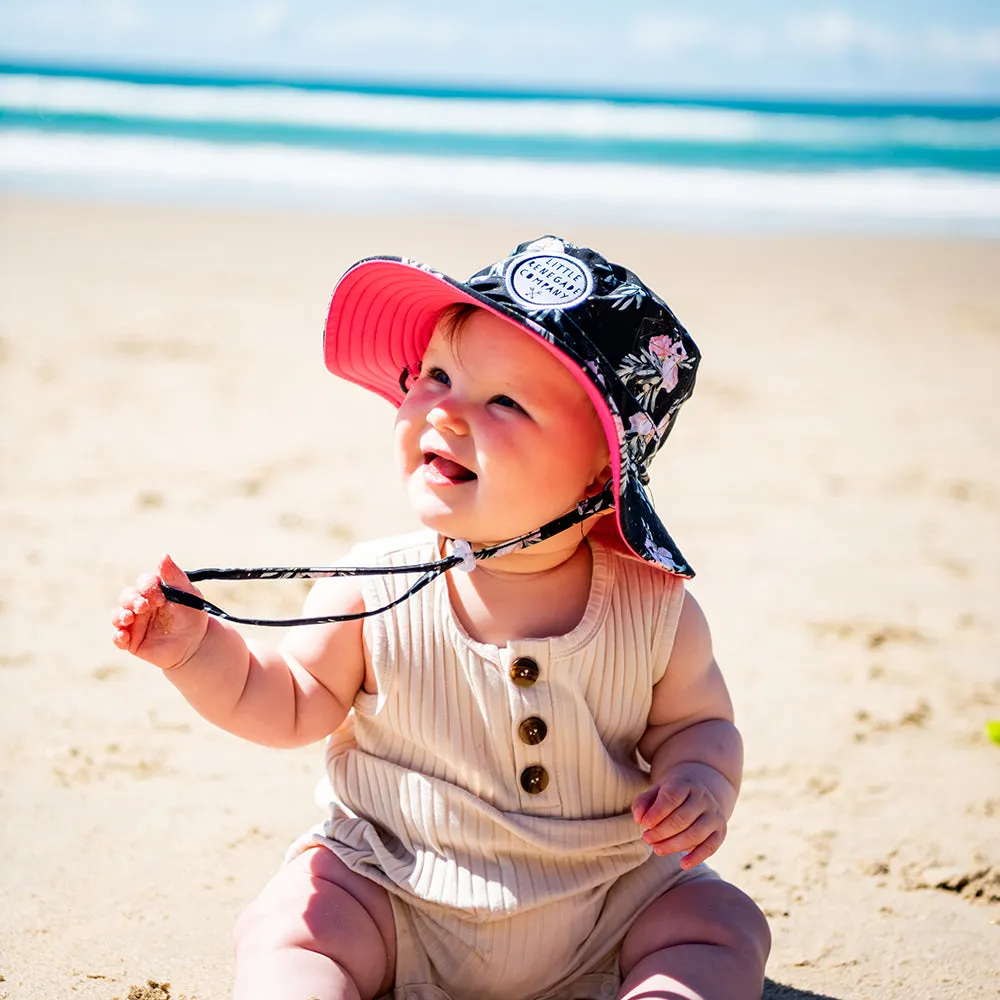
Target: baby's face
495	436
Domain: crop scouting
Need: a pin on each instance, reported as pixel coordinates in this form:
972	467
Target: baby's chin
453	515
435	513
438	515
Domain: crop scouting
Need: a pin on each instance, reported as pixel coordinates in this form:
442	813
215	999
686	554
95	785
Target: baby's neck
534	596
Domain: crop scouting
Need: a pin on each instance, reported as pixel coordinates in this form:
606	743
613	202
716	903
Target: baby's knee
702	911
745	928
302	910
327	922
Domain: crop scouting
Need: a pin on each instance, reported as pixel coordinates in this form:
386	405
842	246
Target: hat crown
609	321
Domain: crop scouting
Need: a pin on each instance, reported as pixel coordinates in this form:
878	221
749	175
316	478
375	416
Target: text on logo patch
548	281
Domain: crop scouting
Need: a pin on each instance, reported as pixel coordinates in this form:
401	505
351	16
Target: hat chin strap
462	557
465	558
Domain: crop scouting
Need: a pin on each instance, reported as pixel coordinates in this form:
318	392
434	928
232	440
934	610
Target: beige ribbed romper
499	889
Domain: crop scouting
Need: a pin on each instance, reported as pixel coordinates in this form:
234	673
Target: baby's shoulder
634	574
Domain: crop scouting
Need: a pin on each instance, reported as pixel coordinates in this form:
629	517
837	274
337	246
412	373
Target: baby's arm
287	696
695	751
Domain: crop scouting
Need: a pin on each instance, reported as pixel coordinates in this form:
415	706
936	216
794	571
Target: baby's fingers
130	619
656	804
701	840
122	617
148	626
674	823
122	638
170	573
148	589
143	597
132	605
703	851
141	606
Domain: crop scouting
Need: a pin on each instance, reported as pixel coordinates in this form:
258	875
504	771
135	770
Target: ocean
640	160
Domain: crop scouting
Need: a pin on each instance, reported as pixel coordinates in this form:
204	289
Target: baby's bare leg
317	930
703	940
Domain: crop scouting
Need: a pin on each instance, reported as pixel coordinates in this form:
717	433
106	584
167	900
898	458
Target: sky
910	49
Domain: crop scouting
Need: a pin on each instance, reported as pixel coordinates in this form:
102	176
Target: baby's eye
508	402
437	374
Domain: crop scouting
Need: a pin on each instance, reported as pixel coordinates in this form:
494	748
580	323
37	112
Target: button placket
528	695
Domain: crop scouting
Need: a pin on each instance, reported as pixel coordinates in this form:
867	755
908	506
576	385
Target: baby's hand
680	813
153	629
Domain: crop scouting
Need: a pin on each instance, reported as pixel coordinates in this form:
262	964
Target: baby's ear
599	481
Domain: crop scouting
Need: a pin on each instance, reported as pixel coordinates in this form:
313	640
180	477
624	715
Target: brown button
524	671
532	731
534	779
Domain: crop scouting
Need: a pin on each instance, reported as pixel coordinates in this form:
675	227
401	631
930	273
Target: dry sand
835	481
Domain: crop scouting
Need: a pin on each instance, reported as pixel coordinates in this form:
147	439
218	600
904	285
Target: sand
835	481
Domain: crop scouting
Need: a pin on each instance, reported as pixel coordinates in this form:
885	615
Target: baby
527	763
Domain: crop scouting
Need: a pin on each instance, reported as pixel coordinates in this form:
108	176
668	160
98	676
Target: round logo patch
548	281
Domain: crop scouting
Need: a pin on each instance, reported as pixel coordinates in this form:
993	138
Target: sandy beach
835	481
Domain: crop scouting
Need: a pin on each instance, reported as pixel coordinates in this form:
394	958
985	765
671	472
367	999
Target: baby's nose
448	416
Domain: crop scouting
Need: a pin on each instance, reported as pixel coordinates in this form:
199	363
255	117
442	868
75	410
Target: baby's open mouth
447	469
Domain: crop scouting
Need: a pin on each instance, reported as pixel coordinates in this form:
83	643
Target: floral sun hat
615	335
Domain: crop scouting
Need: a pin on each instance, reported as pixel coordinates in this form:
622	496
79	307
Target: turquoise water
643	158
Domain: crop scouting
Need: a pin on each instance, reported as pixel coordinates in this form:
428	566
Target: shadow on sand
775	991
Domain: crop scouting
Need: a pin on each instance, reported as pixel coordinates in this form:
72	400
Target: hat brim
381	318
638	530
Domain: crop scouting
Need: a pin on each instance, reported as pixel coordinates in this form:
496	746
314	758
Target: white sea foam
549	118
157	168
